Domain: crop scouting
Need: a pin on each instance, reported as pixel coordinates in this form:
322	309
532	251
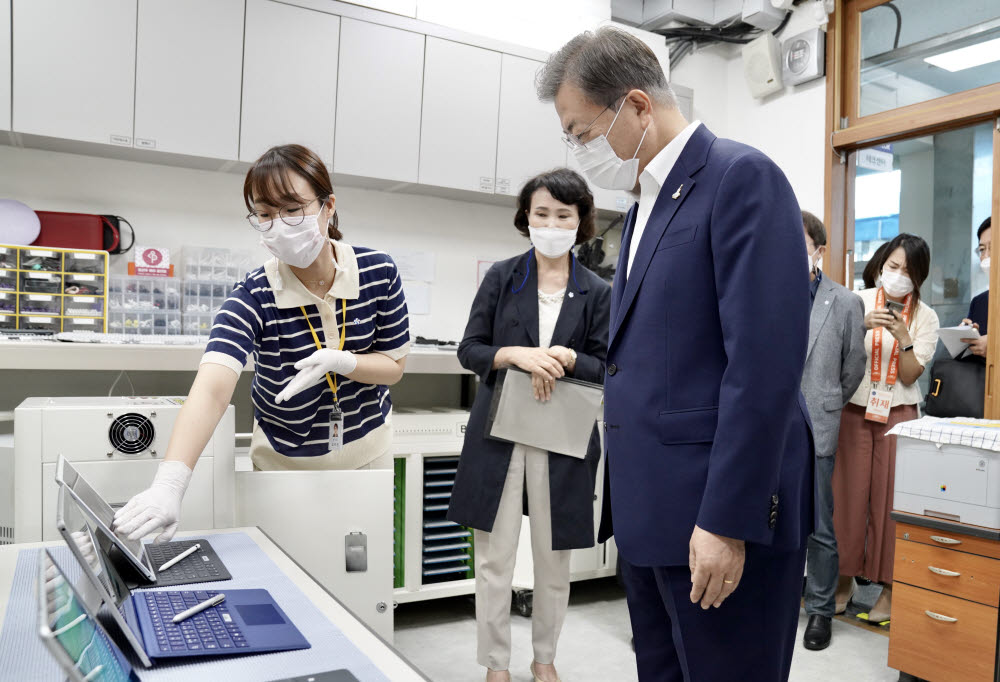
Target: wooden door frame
847	132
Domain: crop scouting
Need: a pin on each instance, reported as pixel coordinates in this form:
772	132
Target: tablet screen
104	514
66	624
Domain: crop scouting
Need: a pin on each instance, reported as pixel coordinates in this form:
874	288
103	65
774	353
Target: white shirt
651	182
923	331
549	306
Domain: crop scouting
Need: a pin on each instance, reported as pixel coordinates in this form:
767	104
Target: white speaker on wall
762	65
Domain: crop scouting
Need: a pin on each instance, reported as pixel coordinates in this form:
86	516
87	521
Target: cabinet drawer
958	644
949	540
968	576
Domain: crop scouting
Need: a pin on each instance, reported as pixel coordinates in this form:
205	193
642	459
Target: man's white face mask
603	167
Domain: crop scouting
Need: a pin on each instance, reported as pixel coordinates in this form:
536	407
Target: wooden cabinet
461	99
529	139
74	69
5	38
379	100
946	594
289	79
189	58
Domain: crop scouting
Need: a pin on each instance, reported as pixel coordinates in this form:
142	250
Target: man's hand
716	565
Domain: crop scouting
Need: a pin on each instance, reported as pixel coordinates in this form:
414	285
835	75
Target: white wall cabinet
189	58
5	38
289	79
529	140
379	99
460	116
74	69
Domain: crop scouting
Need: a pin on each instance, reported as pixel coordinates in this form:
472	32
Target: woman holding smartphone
901	338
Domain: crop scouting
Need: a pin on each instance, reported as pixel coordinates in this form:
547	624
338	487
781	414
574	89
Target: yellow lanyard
343	338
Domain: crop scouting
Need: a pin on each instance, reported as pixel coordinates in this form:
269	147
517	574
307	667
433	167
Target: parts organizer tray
45	289
144	306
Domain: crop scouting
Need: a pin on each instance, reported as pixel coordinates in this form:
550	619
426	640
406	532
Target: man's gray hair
605	65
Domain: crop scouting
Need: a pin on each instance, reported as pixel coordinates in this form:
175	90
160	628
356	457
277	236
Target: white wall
173	207
540	24
788	126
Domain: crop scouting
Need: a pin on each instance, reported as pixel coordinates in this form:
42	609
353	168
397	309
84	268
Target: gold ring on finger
728	582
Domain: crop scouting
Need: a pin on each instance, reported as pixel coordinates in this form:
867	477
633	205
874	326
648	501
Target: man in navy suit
709	450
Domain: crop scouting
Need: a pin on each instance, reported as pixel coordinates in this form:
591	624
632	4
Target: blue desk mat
23	657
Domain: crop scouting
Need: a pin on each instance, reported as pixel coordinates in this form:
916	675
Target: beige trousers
495	554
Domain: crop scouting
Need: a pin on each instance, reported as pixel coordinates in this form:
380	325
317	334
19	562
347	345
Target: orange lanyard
893	372
343	339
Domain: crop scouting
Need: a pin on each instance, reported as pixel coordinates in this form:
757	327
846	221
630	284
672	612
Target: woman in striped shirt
327	327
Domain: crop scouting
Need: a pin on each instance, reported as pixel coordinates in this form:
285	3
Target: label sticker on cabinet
485	184
145	144
42	299
503	186
122	140
621	203
42	254
84	320
85	256
41	320
83	278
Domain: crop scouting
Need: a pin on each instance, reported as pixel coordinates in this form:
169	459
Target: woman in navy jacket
546	314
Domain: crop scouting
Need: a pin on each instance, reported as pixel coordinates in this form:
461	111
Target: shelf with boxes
145	306
209	276
51	289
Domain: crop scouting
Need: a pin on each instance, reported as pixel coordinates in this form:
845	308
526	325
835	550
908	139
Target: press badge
879	403
336	438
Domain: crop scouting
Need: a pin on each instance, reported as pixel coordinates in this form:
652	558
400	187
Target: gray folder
562	425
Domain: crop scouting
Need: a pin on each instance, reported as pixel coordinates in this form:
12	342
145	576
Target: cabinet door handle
945	541
941	571
943	619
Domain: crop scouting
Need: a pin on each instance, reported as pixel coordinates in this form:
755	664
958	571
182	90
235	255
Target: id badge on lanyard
880	396
336	438
335	432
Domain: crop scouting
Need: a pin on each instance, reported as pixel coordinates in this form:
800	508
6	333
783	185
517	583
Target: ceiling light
967	57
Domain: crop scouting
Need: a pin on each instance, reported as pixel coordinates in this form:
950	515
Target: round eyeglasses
262	221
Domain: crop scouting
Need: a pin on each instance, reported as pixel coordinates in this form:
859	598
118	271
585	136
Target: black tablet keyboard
204	566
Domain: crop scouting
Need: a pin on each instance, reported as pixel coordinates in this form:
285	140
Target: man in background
835	365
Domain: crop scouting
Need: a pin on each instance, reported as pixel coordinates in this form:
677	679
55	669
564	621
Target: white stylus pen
207	604
183	555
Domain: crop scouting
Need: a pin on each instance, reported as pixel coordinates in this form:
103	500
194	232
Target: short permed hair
566	186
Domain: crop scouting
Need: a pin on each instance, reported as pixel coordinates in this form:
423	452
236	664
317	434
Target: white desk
55	355
387	659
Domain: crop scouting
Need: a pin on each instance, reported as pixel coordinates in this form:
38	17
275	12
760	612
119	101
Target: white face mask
984	265
809	261
895	284
603	167
297	245
552	242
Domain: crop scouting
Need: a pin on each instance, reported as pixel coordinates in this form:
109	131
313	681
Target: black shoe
817	635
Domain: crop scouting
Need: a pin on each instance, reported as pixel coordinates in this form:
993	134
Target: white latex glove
313	368
157	508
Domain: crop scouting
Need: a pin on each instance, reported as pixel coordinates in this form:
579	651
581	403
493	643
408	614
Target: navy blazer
979	311
705	422
505	313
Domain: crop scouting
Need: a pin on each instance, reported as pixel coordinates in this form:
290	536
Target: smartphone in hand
895	308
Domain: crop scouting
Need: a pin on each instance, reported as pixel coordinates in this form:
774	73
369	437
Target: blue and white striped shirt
262	318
